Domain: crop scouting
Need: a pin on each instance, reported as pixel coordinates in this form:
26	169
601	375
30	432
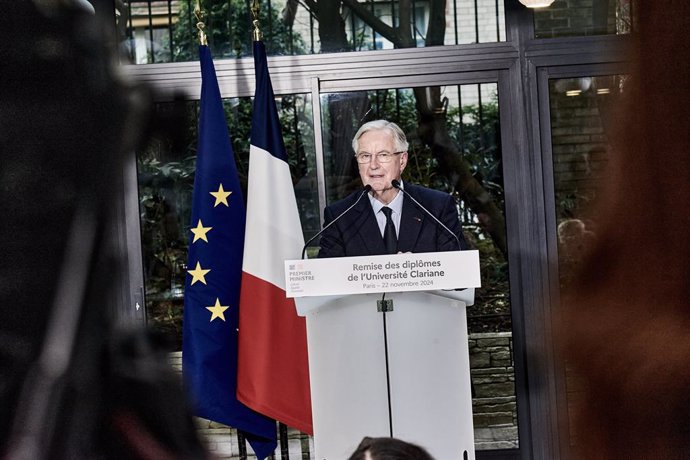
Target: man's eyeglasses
383	157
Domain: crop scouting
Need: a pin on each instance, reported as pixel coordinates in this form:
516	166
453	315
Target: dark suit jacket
357	232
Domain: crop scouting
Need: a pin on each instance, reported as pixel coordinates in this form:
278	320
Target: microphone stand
395	183
383	310
363	192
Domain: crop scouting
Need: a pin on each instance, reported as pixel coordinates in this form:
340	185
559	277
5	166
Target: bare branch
311	6
388	32
289	12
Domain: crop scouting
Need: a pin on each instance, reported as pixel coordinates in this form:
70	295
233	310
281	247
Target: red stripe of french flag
273	373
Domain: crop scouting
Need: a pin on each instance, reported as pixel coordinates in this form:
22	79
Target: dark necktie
390	239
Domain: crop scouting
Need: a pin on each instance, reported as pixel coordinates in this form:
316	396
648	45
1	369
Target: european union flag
214	267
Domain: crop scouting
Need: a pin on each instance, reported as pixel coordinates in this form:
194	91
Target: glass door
577	113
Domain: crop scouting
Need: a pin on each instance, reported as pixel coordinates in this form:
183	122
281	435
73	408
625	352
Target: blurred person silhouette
627	315
74	381
574	240
388	449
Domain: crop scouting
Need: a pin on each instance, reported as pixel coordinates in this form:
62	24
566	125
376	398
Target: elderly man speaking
396	217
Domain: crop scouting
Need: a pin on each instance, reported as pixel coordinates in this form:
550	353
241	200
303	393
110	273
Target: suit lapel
411	221
368	230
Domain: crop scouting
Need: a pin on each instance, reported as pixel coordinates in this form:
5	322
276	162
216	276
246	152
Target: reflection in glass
580	128
165	30
588	17
454	139
166	178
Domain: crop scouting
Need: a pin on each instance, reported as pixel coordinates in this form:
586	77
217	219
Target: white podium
397	368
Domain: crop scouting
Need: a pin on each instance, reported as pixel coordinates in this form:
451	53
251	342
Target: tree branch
289	12
311	6
388	32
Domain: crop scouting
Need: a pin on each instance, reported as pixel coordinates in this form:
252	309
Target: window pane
580	127
579	137
584	17
166	179
165	30
458	151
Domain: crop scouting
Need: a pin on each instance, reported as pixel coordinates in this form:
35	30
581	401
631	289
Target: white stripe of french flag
273	371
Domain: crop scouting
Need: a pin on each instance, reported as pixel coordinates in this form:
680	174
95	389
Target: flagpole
258	36
199	13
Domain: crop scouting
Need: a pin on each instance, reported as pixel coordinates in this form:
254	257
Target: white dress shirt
395	205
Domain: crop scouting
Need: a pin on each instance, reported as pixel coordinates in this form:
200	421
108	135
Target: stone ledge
492	370
490	335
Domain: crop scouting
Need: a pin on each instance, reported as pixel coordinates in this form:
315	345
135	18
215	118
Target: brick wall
494	405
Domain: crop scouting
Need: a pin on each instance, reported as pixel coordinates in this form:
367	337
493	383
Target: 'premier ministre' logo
300	275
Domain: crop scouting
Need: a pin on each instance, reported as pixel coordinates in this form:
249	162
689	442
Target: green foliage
163	193
229	31
491	310
296	120
479	141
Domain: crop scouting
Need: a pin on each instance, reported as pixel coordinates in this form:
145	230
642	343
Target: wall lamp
536	3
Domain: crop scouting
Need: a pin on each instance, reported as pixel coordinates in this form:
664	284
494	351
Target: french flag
273	372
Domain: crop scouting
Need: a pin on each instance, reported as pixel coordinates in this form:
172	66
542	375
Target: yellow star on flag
218	310
200	232
198	274
221	196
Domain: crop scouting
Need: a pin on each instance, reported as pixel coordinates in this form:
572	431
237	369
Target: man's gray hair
399	139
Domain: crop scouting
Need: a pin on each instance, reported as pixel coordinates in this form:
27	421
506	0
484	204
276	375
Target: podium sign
384	273
395	367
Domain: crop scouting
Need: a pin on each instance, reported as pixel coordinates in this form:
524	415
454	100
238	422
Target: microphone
395	183
366	190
